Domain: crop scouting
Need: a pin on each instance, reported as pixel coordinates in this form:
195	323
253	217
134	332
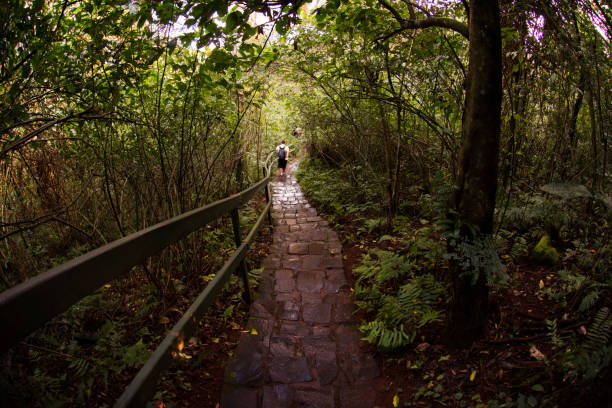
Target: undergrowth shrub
398	292
588	360
329	188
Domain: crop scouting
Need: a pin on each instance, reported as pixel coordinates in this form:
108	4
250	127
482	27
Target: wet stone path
305	350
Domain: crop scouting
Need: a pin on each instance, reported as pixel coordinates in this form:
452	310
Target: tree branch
442	22
50	123
427	22
22	141
393	11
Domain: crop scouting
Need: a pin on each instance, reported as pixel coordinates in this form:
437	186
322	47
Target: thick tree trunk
478	166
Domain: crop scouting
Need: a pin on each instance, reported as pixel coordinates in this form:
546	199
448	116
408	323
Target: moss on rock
544	253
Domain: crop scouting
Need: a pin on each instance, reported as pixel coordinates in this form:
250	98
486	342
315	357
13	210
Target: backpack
281	153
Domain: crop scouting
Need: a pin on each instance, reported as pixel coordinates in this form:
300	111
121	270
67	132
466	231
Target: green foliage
580	292
329	189
255	277
476	255
136	354
555	337
400	317
374	223
400	301
595	354
380	266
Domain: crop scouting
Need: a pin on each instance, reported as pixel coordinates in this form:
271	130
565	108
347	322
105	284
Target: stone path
307	350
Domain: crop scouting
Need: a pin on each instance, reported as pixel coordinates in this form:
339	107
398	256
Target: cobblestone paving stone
307	351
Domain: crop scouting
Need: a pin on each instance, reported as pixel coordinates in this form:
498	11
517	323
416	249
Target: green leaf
282	26
532	401
233	20
136	354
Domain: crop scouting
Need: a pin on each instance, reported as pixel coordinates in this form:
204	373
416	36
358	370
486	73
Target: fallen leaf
254	332
535	353
422	347
164	320
395	400
541	284
473	375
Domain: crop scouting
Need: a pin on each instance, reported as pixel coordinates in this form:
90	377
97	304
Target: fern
384	337
79	366
475	256
383	266
589	300
596	352
398	301
555	338
519	249
374	223
580	287
400	316
598	335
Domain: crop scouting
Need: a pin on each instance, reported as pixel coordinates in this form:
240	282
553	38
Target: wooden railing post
242	268
267	192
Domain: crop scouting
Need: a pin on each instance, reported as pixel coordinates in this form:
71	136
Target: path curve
305	350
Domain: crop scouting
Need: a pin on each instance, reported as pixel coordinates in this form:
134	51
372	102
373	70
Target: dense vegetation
116	115
387	126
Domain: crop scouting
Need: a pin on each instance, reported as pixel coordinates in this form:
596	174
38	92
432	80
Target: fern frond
589	300
596	352
598	335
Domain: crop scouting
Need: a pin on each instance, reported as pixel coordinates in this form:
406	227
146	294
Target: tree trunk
478	166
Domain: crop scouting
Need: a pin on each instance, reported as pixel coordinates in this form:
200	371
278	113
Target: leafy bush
588	360
332	191
400	316
400	298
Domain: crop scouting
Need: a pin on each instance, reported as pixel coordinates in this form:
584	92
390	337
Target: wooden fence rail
29	305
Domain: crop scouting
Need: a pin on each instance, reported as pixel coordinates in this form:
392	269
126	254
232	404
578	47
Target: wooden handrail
27	306
142	386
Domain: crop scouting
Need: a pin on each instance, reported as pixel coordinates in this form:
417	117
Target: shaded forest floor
512	366
549	328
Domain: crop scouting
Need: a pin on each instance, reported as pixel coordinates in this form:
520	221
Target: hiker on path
283	156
